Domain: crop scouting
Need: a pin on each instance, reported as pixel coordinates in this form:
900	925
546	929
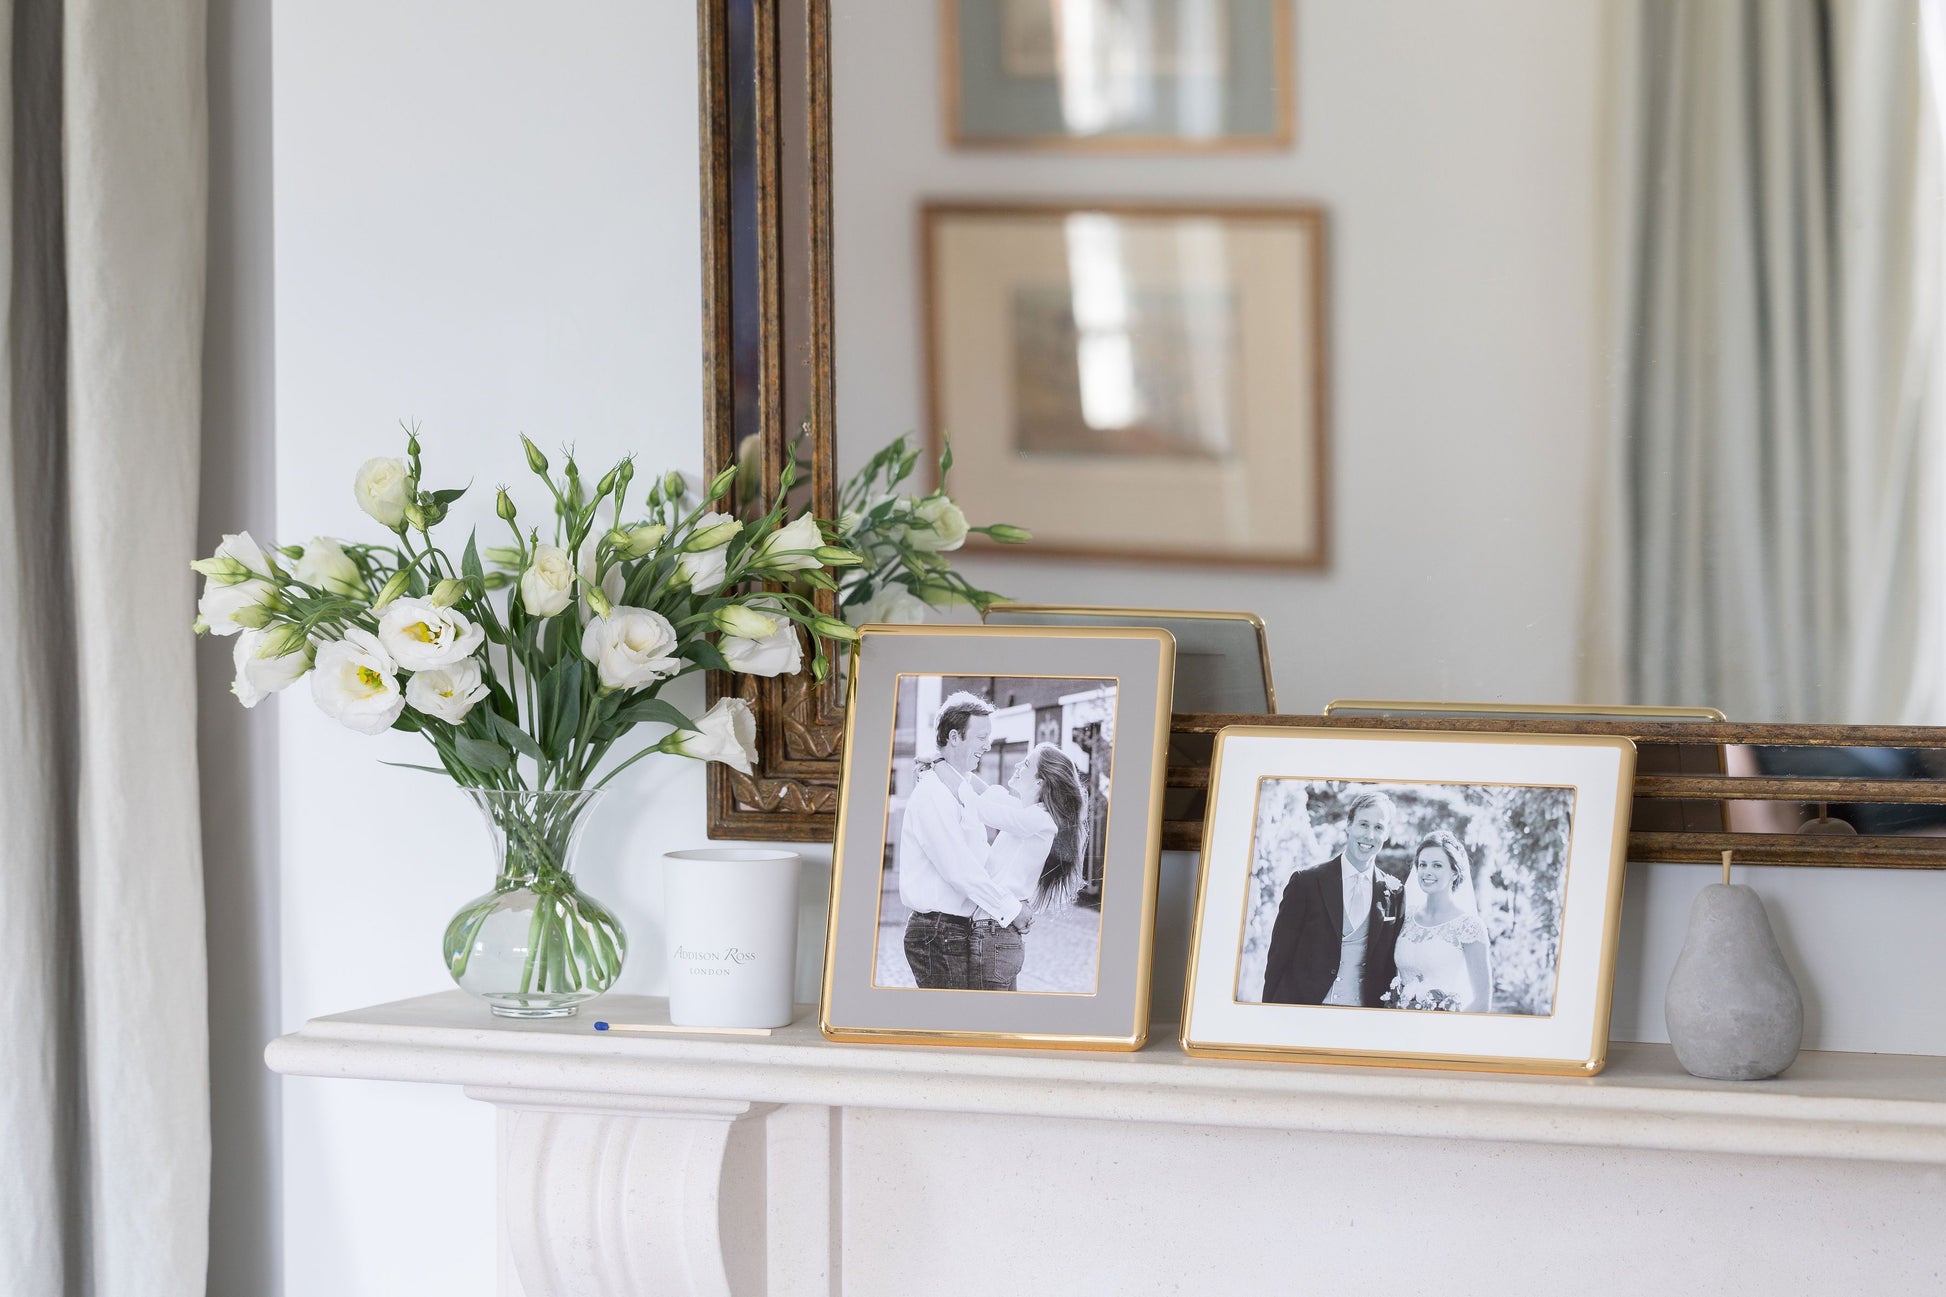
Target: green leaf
520	740
705	654
482	755
640	711
469	566
408	723
447	497
560	707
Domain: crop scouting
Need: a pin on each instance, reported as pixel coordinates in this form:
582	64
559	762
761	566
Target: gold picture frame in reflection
1133	381
1149	76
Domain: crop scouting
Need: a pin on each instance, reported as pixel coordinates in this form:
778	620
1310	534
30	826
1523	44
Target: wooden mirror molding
765	82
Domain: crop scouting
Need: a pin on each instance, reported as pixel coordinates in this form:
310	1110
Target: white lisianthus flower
704	572
547	586
704	569
257	676
325	566
420	635
382	489
947	525
778	653
631	647
789	547
221	602
447	692
726	732
356	683
890	605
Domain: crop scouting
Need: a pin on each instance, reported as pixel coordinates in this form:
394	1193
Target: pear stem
1726	867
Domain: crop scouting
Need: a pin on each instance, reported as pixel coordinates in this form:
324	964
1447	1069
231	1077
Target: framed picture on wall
1410	898
1103	75
1133	381
999	832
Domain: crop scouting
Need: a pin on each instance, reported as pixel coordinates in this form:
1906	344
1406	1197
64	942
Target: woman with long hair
1443	957
1042	818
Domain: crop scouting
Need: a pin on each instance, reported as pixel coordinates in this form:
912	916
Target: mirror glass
1536	351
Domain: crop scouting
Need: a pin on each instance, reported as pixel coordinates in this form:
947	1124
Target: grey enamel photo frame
1114	1016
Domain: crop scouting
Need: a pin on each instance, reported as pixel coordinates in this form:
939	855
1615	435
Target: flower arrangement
903	539
1422	997
524	665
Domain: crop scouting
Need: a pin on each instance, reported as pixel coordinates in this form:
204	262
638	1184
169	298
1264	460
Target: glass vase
535	946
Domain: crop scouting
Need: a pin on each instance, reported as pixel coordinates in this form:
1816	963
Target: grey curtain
1770	541
104	1092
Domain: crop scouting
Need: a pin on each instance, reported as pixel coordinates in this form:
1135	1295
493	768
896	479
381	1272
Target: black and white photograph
1435	897
1417	898
995	834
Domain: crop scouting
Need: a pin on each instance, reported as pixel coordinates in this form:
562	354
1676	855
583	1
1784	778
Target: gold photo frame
1154	78
1283	966
970	905
1155	362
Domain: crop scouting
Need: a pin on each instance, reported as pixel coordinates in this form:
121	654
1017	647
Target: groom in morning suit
1338	925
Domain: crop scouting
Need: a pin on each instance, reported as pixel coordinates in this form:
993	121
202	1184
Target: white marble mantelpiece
786	1164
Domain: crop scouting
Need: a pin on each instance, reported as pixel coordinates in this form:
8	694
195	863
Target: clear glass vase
536	945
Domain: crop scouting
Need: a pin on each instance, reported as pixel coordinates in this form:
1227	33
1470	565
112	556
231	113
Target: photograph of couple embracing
1443	897
992	868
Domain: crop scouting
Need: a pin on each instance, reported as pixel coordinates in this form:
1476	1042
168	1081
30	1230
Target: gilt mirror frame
765	111
764	85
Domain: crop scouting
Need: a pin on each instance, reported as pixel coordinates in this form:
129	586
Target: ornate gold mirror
1575	353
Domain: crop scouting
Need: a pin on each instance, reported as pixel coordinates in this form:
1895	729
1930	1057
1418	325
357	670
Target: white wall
1454	150
486	220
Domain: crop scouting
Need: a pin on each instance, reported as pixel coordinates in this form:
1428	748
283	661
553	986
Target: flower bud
596	599
415	515
608	481
535	460
253	616
641	539
448	592
820	667
720	484
499	580
1008	534
832	628
200	626
832	556
393	588
814	577
744	623
504	556
284	641
503	505
717	533
223	570
673	487
411	443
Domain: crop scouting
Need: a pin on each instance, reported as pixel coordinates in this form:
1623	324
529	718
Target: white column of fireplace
787	1166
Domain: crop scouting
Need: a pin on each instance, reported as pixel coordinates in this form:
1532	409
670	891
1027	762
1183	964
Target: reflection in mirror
1569	351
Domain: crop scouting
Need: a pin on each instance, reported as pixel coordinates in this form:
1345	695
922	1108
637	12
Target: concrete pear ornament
1733	1008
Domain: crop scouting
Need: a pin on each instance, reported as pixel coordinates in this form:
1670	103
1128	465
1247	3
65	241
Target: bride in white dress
1443	957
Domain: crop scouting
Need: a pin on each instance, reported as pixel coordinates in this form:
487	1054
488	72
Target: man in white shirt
962	933
1337	928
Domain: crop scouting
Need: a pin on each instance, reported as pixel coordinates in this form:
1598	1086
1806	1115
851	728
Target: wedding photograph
997	804
1441	897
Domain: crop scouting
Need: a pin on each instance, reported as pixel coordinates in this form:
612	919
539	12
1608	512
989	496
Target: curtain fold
105	1103
1770	543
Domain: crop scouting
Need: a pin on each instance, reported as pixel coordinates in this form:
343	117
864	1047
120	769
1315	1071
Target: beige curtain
104	1111
1769	521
